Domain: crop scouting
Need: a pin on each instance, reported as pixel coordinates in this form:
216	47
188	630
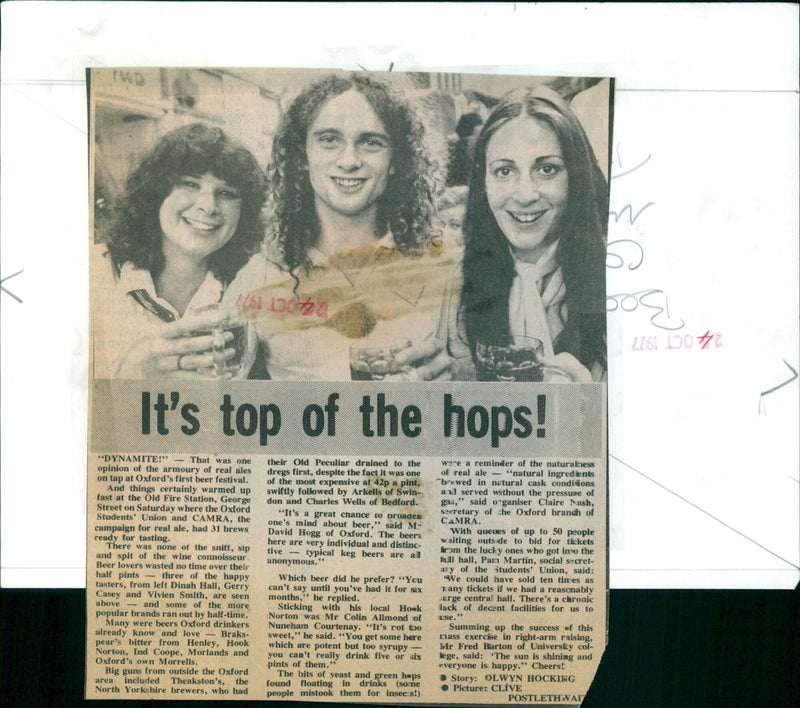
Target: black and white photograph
336	226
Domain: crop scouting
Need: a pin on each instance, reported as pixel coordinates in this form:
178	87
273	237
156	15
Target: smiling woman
187	223
527	185
534	263
199	216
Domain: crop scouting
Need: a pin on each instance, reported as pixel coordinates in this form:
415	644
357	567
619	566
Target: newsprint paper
348	399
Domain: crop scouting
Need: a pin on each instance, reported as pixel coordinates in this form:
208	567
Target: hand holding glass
510	358
230	341
377	362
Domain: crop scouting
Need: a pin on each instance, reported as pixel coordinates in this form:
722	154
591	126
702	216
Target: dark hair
405	207
194	149
466	125
488	265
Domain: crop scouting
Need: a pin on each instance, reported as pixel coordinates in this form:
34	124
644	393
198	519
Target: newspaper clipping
348	386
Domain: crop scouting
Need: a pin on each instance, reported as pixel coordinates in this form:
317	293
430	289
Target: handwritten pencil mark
416	300
631	216
788	381
391	66
633	169
631	266
6	290
703	511
628	302
761	405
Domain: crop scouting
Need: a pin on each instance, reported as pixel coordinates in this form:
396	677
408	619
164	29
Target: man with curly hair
352	255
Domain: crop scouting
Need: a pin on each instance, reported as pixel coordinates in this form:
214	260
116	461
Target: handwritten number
629	302
660	309
610	263
627	251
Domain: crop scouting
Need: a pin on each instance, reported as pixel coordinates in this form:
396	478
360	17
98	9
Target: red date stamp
708	340
291	306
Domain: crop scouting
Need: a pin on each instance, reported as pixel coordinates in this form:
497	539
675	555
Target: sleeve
105	344
252	276
117	328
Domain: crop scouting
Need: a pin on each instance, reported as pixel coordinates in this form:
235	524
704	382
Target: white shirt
126	309
356	298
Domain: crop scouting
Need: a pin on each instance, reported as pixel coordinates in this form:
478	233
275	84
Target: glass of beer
377	362
230	320
510	358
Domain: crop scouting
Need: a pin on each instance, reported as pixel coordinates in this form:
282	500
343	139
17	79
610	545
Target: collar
385	243
133	280
546	264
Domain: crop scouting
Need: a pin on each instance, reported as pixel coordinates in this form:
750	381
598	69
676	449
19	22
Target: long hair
488	265
194	149
405	207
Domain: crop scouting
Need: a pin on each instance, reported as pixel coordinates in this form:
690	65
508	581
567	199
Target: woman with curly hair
352	261
189	220
534	263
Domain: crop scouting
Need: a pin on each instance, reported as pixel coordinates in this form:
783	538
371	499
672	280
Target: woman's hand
427	361
196	346
564	366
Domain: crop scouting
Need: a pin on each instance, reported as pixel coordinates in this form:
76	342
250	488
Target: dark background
666	648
